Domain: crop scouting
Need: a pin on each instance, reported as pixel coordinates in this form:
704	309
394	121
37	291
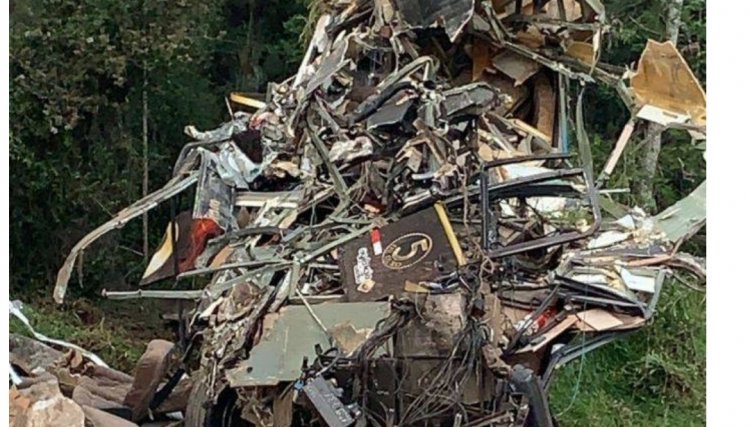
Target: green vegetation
116	332
656	377
79	70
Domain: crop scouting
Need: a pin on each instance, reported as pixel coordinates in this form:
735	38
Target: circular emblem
406	251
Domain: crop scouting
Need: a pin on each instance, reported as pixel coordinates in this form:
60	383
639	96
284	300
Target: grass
118	332
656	377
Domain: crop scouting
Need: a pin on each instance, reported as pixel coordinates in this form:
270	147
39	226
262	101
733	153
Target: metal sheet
451	15
665	81
473	98
173	187
213	197
515	66
280	353
381	263
686	217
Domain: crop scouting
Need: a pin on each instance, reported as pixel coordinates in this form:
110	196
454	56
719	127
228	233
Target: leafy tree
681	166
76	74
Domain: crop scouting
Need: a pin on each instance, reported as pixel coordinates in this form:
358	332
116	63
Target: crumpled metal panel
213	197
293	336
235	168
686	217
664	80
451	15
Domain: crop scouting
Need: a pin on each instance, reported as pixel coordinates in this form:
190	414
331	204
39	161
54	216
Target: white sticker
363	270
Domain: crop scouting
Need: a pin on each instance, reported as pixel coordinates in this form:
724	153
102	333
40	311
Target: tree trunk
649	157
144	135
144	131
674	20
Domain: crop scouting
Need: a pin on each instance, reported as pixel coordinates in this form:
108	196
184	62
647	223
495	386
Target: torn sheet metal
172	188
175	244
683	219
451	15
234	167
392	112
515	66
319	43
607	239
581	51
639	280
223	132
330	65
403	164
213	197
294	333
470	99
666	87
183	242
281	199
660	116
351	149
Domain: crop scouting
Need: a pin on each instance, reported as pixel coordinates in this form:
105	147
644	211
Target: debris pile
74	387
400	234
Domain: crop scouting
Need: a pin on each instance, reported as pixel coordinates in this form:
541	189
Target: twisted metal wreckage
399	234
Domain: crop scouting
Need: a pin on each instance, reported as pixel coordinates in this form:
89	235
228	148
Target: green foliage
657	377
693	36
634	22
262	43
105	328
681	164
77	81
77	73
653	378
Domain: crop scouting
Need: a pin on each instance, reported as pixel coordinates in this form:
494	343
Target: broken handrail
584	149
151	294
560	23
236	265
474	192
484	185
173	187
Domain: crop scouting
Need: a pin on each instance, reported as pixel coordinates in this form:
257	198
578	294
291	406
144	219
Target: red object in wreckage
201	230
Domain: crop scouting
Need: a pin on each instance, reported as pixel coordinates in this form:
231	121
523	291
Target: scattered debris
399	232
43	405
151	368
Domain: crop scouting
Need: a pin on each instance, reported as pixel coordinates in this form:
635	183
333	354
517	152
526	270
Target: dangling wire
585	153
